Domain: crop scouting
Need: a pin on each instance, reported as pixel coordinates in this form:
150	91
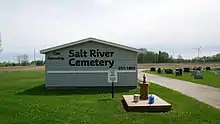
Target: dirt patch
140	66
22	68
178	65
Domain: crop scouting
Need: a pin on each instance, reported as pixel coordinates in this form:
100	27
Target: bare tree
22	59
25	58
19	59
180	57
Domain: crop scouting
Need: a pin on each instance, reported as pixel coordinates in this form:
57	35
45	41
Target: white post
34	58
1	48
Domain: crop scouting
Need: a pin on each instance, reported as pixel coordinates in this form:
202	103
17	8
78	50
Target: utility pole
198	50
13	58
1	47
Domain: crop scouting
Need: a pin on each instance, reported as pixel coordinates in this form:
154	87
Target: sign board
112	75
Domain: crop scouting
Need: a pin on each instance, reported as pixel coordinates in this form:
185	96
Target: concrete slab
159	104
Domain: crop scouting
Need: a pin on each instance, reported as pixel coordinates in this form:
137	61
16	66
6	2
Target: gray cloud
171	25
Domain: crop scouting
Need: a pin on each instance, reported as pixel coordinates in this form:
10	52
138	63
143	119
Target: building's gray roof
86	40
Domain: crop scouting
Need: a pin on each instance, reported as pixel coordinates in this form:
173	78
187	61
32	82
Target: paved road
206	94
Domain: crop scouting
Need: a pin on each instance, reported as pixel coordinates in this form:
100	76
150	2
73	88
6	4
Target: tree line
23	60
146	56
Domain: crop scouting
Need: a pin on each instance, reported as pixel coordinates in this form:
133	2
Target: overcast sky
175	26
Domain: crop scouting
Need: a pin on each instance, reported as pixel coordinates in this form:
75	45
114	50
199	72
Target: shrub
207	68
181	71
186	69
13	64
198	69
168	71
159	70
152	69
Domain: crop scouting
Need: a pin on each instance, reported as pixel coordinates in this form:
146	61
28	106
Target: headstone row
179	72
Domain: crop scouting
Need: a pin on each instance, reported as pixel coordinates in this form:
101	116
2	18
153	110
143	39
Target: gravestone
215	73
181	71
178	72
198	76
194	73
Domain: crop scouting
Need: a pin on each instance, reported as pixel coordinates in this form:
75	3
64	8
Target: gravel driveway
206	94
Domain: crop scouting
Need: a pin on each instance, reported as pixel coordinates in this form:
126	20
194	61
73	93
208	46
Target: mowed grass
24	100
208	78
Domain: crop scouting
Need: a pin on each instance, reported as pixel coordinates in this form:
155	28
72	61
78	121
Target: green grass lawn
24	100
208	78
